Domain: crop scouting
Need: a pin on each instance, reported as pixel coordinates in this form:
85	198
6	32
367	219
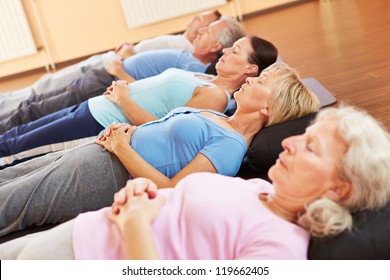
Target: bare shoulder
206	91
213	98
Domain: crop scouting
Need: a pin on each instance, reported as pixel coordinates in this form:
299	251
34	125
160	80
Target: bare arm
118	143
139	240
119	94
115	68
134	217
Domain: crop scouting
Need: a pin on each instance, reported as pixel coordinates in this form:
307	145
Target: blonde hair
290	98
366	165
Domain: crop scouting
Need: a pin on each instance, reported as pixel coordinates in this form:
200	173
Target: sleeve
193	66
186	61
163	42
143	65
225	153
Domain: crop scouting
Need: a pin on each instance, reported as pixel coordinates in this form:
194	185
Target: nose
202	30
225	51
249	80
289	144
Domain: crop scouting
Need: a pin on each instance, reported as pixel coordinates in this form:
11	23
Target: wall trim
63	64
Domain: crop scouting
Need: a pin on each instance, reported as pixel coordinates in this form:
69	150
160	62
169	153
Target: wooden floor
345	44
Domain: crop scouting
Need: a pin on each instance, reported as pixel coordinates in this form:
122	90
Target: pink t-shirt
207	216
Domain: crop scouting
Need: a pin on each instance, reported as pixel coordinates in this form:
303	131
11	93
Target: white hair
234	31
366	165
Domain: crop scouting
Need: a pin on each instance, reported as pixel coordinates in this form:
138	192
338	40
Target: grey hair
366	165
231	33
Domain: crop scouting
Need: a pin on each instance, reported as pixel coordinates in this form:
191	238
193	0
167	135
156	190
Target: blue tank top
157	95
182	134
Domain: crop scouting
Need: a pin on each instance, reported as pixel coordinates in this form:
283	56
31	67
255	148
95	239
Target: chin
239	91
273	172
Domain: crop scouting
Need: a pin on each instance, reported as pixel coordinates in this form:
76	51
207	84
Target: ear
252	69
264	111
340	191
216	48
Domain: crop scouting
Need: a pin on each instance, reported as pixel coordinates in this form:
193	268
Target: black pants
92	83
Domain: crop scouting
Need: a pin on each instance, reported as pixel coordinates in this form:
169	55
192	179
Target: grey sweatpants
57	187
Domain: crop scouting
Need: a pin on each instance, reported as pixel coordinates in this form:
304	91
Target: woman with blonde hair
57	187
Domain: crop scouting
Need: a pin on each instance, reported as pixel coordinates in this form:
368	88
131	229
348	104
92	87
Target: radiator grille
144	12
15	35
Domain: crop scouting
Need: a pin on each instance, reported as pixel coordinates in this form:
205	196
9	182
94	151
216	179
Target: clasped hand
117	92
138	199
114	135
114	67
125	50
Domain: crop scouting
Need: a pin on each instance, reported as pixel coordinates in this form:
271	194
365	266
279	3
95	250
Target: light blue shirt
157	95
152	63
170	143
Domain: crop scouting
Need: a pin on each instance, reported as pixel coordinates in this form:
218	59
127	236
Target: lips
281	162
239	91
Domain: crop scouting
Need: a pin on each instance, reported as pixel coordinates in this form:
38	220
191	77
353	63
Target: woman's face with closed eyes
307	168
236	58
255	92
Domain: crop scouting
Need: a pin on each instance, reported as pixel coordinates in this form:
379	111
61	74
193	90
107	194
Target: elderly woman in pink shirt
318	180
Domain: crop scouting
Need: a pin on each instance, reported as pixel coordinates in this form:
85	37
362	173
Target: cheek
200	45
196	25
311	181
240	61
205	40
306	180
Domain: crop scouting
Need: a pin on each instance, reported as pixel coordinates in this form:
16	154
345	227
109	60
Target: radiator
15	35
143	12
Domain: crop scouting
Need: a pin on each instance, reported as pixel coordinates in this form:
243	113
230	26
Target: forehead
245	44
242	42
326	131
266	75
217	25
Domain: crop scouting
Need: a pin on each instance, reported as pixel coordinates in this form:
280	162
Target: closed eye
310	145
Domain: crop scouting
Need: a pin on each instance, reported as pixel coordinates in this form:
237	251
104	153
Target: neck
276	208
230	83
247	124
205	58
